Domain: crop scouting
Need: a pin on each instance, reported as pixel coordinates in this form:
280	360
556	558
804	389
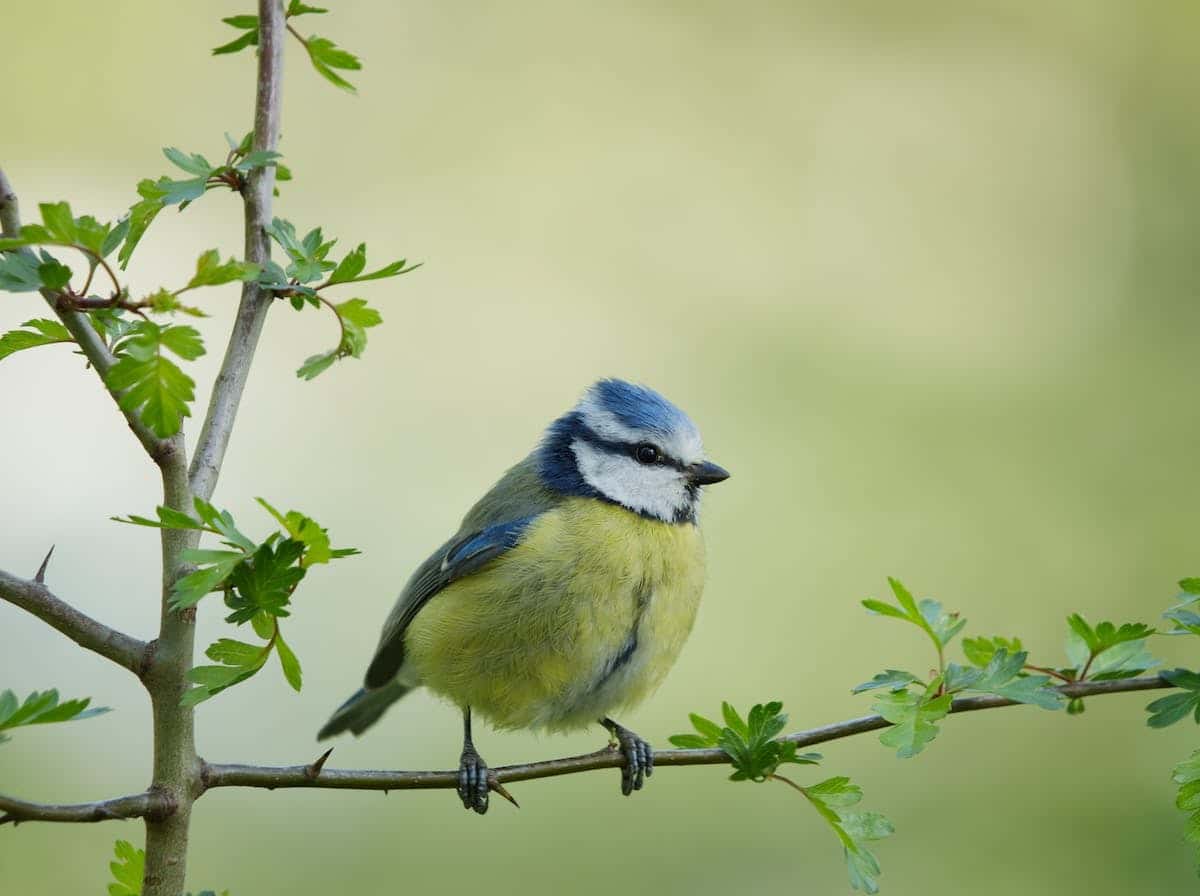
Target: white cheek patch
654	489
682	443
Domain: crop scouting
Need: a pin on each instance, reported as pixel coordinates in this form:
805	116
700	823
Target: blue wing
495	525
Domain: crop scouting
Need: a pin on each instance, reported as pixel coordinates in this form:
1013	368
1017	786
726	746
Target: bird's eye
646	454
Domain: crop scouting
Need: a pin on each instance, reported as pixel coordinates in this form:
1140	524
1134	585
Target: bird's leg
639	756
472	772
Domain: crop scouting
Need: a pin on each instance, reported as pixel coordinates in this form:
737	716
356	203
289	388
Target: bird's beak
707	473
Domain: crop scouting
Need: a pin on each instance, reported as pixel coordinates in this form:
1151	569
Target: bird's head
627	444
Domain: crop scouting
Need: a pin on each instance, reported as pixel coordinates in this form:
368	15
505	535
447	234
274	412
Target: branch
34	597
80	328
137	805
256	301
344	779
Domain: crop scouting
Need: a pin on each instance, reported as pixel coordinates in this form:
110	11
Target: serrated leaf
913	718
38	331
211	272
193	163
128	870
297	8
53	274
157	390
43	708
327	56
979	651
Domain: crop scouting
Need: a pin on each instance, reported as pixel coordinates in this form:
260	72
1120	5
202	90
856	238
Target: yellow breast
585	616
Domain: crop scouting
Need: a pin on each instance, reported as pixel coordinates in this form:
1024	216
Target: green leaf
128	870
239	661
1187	775
315	365
749	743
1168	710
148	383
212	576
54	274
59	222
19	273
355	317
853	829
326	56
912	717
297	8
892	679
928	615
288	661
1003	676
306	530
211	272
981	650
1190	585
42	708
167	519
221	521
248	39
193	163
243	21
1108	651
38	331
350	268
259	158
265	583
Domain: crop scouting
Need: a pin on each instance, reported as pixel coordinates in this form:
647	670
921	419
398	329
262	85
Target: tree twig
34	597
136	805
81	330
213	775
256	301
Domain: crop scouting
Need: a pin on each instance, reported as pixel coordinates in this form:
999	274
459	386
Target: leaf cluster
750	743
914	705
308	263
258	581
42	708
201	175
21	270
831	798
326	57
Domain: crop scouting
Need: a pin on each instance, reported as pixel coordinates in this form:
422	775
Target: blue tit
567	592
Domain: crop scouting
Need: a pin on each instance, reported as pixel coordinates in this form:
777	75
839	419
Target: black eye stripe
623	448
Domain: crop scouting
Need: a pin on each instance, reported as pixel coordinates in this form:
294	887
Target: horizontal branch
314	775
34	597
137	805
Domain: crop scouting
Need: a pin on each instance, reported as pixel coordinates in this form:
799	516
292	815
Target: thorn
312	771
40	577
496	787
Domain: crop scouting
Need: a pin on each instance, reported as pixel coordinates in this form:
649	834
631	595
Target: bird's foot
473	780
639	756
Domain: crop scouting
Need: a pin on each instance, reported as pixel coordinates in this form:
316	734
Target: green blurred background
924	273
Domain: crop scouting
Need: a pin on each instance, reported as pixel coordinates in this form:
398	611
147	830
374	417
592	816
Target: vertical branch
252	312
176	766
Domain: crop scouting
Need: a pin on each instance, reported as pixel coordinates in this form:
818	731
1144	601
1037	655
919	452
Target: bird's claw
473	784
639	758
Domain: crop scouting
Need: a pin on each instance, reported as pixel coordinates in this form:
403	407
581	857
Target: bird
567	592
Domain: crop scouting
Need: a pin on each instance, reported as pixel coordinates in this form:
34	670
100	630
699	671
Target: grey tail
363	709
